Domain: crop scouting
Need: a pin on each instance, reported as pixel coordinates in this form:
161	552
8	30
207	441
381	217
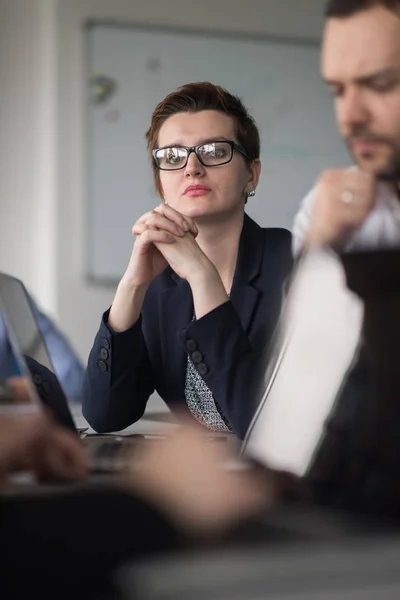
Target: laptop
316	344
31	361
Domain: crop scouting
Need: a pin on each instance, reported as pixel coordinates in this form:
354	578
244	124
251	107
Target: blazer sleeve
232	367
118	379
50	392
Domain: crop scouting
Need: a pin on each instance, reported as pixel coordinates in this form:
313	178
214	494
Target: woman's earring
251	193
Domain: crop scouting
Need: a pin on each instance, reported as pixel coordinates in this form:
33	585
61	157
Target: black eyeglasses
210	154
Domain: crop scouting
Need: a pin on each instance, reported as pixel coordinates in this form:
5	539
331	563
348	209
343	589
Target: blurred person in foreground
67	541
358	208
195	311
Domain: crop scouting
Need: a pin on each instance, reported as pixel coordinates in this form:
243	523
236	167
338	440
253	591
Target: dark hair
347	8
194	97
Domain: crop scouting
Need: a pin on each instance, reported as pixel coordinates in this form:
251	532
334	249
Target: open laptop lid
31	355
317	340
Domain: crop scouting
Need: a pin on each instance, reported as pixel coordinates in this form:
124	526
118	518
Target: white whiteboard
280	84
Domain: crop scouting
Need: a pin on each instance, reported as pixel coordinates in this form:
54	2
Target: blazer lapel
244	295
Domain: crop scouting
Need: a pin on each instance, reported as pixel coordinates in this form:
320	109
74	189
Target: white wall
27	145
79	304
42	131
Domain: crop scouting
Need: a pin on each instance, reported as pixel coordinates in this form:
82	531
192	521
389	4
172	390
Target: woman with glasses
194	313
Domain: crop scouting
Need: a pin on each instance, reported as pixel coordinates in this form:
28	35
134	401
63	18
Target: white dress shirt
380	230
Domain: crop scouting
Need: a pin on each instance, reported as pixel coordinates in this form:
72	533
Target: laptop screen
318	337
16	390
26	352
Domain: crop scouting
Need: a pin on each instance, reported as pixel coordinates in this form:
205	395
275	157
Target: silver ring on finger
347	197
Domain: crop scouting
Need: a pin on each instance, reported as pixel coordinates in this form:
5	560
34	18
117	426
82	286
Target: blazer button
104	353
196	357
202	368
106	343
191	345
46	387
37	379
102	365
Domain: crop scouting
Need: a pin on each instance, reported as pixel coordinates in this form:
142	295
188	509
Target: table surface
156	419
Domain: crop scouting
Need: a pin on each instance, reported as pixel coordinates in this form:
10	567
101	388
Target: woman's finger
186	223
158	221
140	228
152	236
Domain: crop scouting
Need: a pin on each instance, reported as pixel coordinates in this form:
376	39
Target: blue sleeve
8	364
68	367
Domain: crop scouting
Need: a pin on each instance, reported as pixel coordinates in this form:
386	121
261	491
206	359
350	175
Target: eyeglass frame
190	149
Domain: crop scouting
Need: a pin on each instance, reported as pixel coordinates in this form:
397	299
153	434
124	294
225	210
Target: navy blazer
231	342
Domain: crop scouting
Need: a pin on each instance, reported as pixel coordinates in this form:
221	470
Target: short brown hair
348	8
194	97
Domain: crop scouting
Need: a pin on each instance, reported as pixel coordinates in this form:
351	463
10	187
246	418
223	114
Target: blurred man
359	208
356	211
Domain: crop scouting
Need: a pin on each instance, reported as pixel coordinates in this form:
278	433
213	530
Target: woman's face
198	191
